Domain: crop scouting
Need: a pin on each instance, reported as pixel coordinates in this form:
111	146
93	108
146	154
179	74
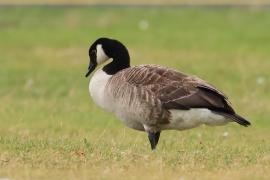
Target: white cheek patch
101	56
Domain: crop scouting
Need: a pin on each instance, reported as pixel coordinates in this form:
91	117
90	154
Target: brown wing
164	89
177	90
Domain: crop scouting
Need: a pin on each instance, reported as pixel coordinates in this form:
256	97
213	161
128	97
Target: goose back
155	90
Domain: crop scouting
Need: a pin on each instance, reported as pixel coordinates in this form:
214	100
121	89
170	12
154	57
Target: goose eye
93	52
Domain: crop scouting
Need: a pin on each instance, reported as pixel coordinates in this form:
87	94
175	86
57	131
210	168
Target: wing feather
176	90
164	89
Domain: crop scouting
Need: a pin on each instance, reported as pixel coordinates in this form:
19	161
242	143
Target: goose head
104	49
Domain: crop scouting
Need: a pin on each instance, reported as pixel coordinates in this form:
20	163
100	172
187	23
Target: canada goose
152	98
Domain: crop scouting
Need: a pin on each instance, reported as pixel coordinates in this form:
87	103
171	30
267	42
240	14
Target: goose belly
187	119
131	116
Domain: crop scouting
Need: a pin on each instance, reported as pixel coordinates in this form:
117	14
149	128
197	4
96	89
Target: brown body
157	90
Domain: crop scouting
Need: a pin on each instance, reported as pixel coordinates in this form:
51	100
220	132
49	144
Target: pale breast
97	89
118	98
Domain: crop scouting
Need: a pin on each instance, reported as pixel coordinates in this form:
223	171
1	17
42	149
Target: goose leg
153	138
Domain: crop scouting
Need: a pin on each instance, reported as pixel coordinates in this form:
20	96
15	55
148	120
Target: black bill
91	68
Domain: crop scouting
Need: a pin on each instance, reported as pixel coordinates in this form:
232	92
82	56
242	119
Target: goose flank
153	98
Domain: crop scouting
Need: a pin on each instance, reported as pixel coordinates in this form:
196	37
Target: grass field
166	2
50	128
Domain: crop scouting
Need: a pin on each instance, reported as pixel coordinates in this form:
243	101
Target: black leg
153	138
157	137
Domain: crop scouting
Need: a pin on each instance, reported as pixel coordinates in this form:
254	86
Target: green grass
166	2
50	128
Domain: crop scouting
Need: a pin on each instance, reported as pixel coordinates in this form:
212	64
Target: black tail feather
240	120
236	118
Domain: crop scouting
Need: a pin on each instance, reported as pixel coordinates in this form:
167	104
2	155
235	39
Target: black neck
121	60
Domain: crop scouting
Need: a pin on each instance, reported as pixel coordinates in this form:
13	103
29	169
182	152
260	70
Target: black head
104	49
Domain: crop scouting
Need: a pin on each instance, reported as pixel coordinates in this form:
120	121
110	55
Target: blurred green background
253	2
50	124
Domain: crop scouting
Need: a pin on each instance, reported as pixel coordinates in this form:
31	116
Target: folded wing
176	90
